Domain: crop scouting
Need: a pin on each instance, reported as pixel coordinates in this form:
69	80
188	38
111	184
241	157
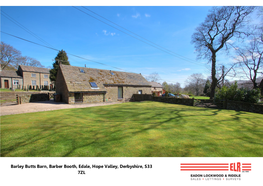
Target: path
44	106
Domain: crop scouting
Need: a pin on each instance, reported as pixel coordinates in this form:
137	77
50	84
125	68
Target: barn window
93	85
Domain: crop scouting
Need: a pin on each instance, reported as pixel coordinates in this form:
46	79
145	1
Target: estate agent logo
235	167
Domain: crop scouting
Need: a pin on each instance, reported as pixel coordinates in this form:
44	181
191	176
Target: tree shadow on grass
104	129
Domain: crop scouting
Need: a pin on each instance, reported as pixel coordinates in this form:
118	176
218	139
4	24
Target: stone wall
12	95
142	97
128	92
71	98
112	93
182	101
244	106
93	97
27	98
62	89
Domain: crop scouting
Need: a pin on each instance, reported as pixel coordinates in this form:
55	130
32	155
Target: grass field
200	97
9	90
145	129
18	90
7	100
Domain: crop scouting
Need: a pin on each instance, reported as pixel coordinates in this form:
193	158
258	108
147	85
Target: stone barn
89	85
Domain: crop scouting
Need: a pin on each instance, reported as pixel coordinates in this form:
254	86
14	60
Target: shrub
235	94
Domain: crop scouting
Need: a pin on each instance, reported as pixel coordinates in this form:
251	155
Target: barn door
120	93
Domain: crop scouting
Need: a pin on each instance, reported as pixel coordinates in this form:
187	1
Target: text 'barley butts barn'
89	85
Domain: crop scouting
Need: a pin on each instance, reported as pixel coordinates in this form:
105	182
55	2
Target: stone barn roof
156	85
10	73
78	78
34	69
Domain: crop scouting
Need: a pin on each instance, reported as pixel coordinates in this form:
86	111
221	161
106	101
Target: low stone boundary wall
12	95
203	102
231	105
181	101
244	106
141	97
149	97
33	97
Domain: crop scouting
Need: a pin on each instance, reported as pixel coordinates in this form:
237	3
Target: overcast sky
78	33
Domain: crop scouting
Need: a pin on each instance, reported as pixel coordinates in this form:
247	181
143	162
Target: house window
16	82
34	82
139	91
33	75
120	92
46	83
45	76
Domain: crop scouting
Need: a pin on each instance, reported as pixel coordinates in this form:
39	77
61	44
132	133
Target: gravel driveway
44	106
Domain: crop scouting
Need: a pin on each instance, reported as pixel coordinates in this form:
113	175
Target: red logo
237	167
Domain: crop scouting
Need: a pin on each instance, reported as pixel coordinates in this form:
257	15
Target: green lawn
200	97
18	90
141	129
7	100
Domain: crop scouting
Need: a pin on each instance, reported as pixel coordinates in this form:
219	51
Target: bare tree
222	24
153	77
175	88
250	59
224	72
9	55
29	61
195	84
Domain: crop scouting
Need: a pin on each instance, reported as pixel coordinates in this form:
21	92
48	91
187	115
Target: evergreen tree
207	88
60	58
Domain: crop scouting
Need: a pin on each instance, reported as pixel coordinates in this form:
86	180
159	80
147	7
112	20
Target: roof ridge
101	69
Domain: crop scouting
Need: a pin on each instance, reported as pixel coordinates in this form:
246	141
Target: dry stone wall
27	98
244	106
181	101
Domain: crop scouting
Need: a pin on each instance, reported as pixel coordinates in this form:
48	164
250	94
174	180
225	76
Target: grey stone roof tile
34	69
10	73
77	81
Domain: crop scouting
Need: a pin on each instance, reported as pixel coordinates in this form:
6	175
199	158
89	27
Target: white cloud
108	33
147	15
185	69
136	16
105	32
